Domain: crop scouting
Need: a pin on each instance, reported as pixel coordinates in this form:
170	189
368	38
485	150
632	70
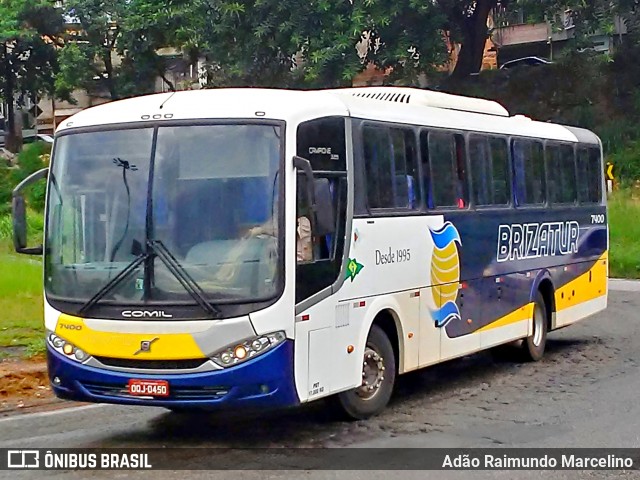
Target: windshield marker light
248	349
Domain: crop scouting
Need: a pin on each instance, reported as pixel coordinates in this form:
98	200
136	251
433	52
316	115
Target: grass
21	307
21	304
624	233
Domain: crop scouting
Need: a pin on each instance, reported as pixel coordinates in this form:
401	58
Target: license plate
148	388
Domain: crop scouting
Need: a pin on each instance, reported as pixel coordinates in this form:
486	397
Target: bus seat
405	191
243	258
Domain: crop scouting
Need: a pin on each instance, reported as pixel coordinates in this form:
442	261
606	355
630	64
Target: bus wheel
533	346
378	378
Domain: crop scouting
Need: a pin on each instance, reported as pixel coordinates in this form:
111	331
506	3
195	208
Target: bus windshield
186	198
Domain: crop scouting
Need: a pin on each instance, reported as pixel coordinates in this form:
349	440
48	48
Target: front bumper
266	381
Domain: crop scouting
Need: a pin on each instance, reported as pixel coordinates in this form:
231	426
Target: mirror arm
18	207
34	177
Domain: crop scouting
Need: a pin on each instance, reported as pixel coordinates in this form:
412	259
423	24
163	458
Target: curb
624	285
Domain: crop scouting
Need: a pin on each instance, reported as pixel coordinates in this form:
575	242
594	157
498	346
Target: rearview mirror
19	214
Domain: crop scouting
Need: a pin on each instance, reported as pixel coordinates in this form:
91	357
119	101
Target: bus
262	248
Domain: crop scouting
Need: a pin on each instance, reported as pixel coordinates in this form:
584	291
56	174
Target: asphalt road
583	394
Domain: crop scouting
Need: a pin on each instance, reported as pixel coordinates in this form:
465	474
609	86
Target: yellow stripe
451	277
575	292
168	346
522	313
439	254
446	258
583	289
436	268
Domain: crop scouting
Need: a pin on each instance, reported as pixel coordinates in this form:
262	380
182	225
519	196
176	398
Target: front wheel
378	378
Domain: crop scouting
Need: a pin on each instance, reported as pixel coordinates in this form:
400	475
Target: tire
379	368
533	346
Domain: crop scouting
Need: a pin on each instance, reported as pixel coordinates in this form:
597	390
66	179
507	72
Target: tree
467	21
112	49
308	44
467	25
586	17
28	32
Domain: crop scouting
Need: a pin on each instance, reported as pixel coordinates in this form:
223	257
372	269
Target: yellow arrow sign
610	171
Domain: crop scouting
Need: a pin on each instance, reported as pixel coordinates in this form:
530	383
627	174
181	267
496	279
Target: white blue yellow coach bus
265	248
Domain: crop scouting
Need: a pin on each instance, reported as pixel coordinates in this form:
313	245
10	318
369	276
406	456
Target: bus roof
432	109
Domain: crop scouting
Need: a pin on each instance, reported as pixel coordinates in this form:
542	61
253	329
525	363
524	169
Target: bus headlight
66	348
247	349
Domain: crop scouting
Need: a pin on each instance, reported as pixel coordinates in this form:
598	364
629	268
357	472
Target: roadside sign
36	111
609	171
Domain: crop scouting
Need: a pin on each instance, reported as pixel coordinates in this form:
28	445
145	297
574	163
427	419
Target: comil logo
146	314
23	459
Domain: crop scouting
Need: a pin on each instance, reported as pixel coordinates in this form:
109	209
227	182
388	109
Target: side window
553	167
377	158
445	159
390	167
500	163
481	170
322	142
489	160
319	257
406	172
589	175
528	169
562	174
568	174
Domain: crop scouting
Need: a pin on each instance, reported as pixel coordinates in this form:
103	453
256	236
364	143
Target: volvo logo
145	346
146	314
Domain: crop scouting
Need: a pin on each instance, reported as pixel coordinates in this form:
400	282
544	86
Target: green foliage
132	30
6	187
37	345
28	33
21	303
626	162
587	17
75	70
35	227
623	234
30	160
308	44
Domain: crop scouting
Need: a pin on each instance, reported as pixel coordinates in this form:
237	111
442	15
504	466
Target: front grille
153	364
175	393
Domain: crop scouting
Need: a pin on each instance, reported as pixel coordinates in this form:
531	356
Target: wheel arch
385	314
389	322
544	285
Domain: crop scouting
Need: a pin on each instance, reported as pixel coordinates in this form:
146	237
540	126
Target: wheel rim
372	374
538	326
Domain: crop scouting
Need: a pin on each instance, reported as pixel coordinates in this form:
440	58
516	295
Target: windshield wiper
187	282
156	248
111	284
